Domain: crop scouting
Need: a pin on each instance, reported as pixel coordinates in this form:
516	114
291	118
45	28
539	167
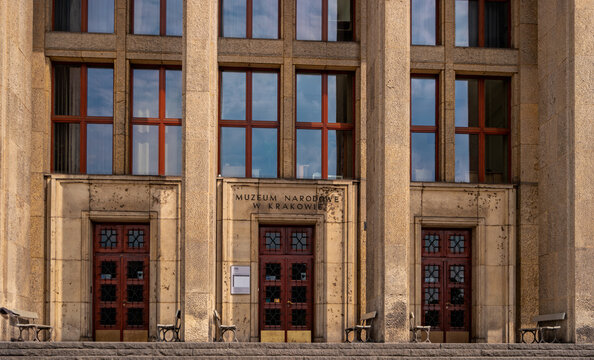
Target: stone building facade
362	234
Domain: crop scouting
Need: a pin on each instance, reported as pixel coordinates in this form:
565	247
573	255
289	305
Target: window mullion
324	20
248	21
84	16
481	23
163	18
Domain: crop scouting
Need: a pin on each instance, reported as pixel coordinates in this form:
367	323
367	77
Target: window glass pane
340	98
99	92
309	20
67	15
173	150
66	90
496	24
496	159
422	105
309	98
147	17
233	96
309	154
264	152
467	103
340	154
67	148
234	17
467	23
145	150
99	148
173	94
233	152
145	93
100	18
174	17
423	22
496	106
340	24
423	156
265	19
467	158
264	96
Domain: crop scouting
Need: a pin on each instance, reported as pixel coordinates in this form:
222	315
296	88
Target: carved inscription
288	202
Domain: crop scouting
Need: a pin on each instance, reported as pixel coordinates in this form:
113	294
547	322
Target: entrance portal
286	279
446	283
120	282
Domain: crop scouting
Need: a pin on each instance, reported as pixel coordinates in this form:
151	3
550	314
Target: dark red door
446	270
286	278
120	282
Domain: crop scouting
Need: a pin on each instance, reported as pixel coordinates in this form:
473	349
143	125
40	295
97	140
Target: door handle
289	302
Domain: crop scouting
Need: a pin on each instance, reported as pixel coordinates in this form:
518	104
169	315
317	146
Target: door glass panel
431	243
299	272
431	273
273	294
299	317
273	272
432	318
299	294
136	317
108	238
273	240
135	238
457	244
135	293
108	292
457	273
108	270
299	241
457	296
272	317
107	316
457	318
136	270
432	296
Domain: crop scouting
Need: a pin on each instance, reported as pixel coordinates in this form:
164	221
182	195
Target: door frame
286	256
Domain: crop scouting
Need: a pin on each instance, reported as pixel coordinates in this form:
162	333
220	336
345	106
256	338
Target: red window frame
82	119
425	128
161	121
325	21
437	25
482	130
324	125
248	21
481	22
162	18
248	124
84	16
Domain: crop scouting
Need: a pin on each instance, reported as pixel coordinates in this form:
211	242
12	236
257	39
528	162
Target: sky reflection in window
145	93
423	22
264	152
233	152
265	19
309	98
233	96
99	92
309	150
146	17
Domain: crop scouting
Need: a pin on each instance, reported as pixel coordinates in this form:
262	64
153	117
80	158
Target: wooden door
446	284
286	279
120	282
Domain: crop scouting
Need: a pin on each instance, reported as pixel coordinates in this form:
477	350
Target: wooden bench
224	328
418	330
163	329
364	324
538	332
22	320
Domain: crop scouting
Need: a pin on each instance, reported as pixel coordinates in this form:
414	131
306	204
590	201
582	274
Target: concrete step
96	350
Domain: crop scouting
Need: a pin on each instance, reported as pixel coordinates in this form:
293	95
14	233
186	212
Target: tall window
482	130
325	125
484	23
157	17
257	19
248	123
424	95
424	15
325	20
94	16
156	121
82	119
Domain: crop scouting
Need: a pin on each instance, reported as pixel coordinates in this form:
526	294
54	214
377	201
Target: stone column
566	247
199	167
388	158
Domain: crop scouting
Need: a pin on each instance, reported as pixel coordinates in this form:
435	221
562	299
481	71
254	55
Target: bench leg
427	340
346	335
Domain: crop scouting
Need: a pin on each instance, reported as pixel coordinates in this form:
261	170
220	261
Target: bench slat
369	315
549	317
